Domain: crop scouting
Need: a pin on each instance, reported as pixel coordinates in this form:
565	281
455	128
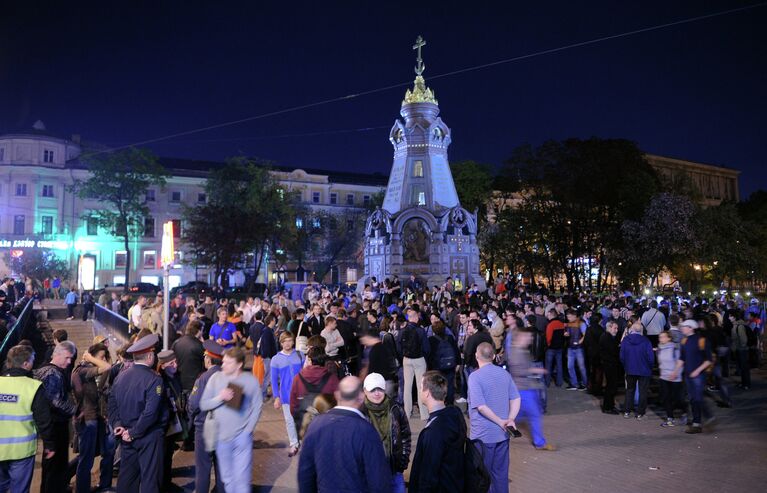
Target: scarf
380	418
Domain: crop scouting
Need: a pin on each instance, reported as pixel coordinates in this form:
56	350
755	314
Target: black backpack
411	343
751	337
307	401
445	357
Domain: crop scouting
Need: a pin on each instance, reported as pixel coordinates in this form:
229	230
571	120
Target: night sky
121	75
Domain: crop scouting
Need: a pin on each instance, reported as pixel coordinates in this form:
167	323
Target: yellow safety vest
18	433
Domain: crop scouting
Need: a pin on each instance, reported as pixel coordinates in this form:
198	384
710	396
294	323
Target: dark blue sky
119	75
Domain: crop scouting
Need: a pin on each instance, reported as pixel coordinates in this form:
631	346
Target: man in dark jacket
190	358
438	462
637	358
57	388
593	334
342	451
609	357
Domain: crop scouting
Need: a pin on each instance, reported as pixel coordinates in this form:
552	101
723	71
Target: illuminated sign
55	245
166	253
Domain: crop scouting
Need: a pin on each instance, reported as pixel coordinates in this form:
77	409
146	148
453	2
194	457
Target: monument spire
420	93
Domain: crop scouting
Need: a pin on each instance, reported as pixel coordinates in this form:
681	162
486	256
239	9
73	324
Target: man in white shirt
332	336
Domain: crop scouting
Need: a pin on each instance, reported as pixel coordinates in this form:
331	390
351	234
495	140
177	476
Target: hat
99	339
212	348
166	356
374	381
144	345
689	323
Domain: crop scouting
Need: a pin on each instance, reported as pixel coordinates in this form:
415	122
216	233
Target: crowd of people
349	371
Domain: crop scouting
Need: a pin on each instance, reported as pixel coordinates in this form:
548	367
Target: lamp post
167	254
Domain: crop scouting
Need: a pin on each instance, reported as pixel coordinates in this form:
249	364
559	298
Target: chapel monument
421	229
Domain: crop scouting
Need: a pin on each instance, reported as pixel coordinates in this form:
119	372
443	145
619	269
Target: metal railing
111	320
17	329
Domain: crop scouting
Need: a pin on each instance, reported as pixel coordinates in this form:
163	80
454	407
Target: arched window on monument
418	169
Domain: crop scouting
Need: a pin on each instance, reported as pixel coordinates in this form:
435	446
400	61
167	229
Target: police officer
24	414
138	415
177	425
203	458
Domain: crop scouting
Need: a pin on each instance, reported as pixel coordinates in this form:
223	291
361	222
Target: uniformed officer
24	414
202	458
138	415
177	424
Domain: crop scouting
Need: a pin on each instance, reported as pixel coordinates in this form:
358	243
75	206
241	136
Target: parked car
190	288
144	288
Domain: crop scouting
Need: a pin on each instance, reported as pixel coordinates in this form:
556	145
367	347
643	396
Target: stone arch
412	213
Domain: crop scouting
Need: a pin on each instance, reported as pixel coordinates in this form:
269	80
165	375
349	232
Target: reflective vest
18	433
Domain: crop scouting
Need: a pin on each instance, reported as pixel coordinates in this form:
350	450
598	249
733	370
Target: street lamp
166	255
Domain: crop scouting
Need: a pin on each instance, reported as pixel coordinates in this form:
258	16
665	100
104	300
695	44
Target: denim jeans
16	475
291	425
397	483
695	388
235	460
530	409
94	435
576	355
554	356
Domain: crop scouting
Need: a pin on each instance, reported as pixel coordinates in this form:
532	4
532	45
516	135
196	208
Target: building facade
39	211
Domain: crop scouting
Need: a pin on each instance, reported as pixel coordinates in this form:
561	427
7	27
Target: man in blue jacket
637	359
342	452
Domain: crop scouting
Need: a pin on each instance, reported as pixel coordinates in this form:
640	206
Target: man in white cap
695	357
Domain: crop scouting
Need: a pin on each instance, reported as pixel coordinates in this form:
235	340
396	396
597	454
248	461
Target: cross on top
419	67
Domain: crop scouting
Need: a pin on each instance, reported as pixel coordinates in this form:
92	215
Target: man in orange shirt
555	343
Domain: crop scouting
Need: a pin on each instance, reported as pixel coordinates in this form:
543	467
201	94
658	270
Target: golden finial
420	93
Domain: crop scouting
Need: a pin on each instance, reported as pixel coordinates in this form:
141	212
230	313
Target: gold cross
419	43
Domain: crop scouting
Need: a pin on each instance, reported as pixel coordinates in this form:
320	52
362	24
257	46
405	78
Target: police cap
144	345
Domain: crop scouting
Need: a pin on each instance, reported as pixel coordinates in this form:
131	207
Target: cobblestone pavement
596	452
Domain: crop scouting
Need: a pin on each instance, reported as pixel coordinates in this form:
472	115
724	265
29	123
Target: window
149	227
349	199
47	222
334	198
92	226
175	196
418	169
2	153
350	224
366	200
47	156
178	258
118	280
150	195
201	198
47	190
316	197
21	189
121	259
150	259
18	225
316	222
351	275
299	223
421	198
417	195
176	228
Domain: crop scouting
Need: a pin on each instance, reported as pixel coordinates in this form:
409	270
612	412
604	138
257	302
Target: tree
119	181
38	264
339	237
247	211
575	196
473	183
665	236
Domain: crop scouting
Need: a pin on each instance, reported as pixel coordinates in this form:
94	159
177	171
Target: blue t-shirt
491	386
226	333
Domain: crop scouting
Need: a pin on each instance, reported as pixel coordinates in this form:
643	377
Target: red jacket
313	375
551	327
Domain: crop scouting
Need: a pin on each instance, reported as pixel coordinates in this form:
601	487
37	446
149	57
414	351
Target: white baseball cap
374	381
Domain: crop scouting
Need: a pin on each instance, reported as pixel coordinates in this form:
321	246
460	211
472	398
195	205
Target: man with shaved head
342	450
493	406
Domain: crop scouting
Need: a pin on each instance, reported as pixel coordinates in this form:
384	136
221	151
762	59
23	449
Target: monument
421	228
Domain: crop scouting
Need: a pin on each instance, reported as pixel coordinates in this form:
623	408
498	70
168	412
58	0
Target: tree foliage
473	183
246	212
119	182
38	264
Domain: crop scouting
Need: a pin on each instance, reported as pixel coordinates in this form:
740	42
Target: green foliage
473	182
119	181
38	264
247	211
